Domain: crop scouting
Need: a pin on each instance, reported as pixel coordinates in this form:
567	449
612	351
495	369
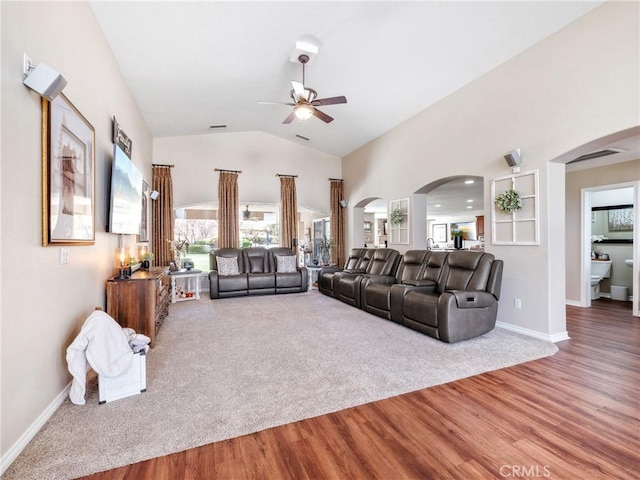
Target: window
259	227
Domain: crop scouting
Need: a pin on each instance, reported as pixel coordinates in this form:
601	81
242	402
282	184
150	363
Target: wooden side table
191	292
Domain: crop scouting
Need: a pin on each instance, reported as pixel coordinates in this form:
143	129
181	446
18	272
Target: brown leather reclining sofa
255	271
451	296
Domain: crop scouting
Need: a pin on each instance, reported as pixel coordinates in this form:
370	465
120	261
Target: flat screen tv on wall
126	195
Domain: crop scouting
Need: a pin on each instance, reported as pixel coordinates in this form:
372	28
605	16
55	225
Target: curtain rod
161	165
284	175
335	180
226	171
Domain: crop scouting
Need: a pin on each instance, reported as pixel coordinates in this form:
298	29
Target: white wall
43	303
259	155
578	85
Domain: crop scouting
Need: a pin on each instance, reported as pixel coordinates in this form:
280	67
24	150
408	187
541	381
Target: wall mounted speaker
513	158
154	194
343	203
46	81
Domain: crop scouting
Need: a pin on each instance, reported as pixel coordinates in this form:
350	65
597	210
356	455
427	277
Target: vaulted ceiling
192	65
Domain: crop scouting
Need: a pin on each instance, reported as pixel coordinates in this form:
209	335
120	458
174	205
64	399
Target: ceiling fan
305	100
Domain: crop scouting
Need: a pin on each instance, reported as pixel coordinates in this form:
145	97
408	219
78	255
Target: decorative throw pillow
227	265
286	264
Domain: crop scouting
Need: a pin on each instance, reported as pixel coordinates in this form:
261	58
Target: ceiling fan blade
328	101
322	116
277	103
290	118
299	90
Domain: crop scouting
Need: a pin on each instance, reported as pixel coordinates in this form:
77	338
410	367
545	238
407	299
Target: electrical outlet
517	303
26	64
64	256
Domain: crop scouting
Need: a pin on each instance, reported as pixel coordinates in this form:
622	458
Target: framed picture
367	225
468	229
621	219
439	232
68	175
144	215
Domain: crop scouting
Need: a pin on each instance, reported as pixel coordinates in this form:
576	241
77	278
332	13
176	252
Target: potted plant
147	258
180	249
457	236
325	246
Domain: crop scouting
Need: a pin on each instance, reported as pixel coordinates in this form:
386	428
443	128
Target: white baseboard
15	450
574	303
556	337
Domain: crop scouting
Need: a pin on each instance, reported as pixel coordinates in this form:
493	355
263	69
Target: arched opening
370	222
451	204
597	175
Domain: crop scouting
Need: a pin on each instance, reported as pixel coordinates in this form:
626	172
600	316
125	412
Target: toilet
599	269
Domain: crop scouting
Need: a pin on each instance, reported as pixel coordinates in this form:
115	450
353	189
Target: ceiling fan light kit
303	111
305	99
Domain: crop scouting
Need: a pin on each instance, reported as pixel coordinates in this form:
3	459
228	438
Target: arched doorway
370	222
598	166
451	203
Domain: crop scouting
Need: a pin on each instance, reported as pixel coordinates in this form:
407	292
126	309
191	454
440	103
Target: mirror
613	222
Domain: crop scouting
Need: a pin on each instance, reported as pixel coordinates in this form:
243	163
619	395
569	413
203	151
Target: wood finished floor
571	416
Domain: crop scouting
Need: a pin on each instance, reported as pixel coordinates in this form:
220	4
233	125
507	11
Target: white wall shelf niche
399	231
521	227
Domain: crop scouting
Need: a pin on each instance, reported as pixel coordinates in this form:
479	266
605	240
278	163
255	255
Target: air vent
302	138
597	154
217	126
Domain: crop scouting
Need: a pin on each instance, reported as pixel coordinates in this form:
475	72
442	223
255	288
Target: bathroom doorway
608	233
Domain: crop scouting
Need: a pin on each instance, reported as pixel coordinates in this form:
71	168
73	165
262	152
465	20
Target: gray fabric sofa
257	273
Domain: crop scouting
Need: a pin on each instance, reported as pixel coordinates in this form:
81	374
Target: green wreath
509	201
396	217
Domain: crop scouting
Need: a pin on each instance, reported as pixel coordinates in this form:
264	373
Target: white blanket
101	345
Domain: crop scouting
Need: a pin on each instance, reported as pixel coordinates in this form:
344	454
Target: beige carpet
225	368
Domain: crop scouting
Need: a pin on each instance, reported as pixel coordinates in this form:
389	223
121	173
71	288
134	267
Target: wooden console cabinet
140	302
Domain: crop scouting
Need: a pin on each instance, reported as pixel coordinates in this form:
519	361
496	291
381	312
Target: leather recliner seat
427	282
464	303
221	286
261	273
381	268
289	282
355	263
376	297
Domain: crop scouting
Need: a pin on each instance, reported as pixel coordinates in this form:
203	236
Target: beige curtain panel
228	221
288	211
337	222
162	215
